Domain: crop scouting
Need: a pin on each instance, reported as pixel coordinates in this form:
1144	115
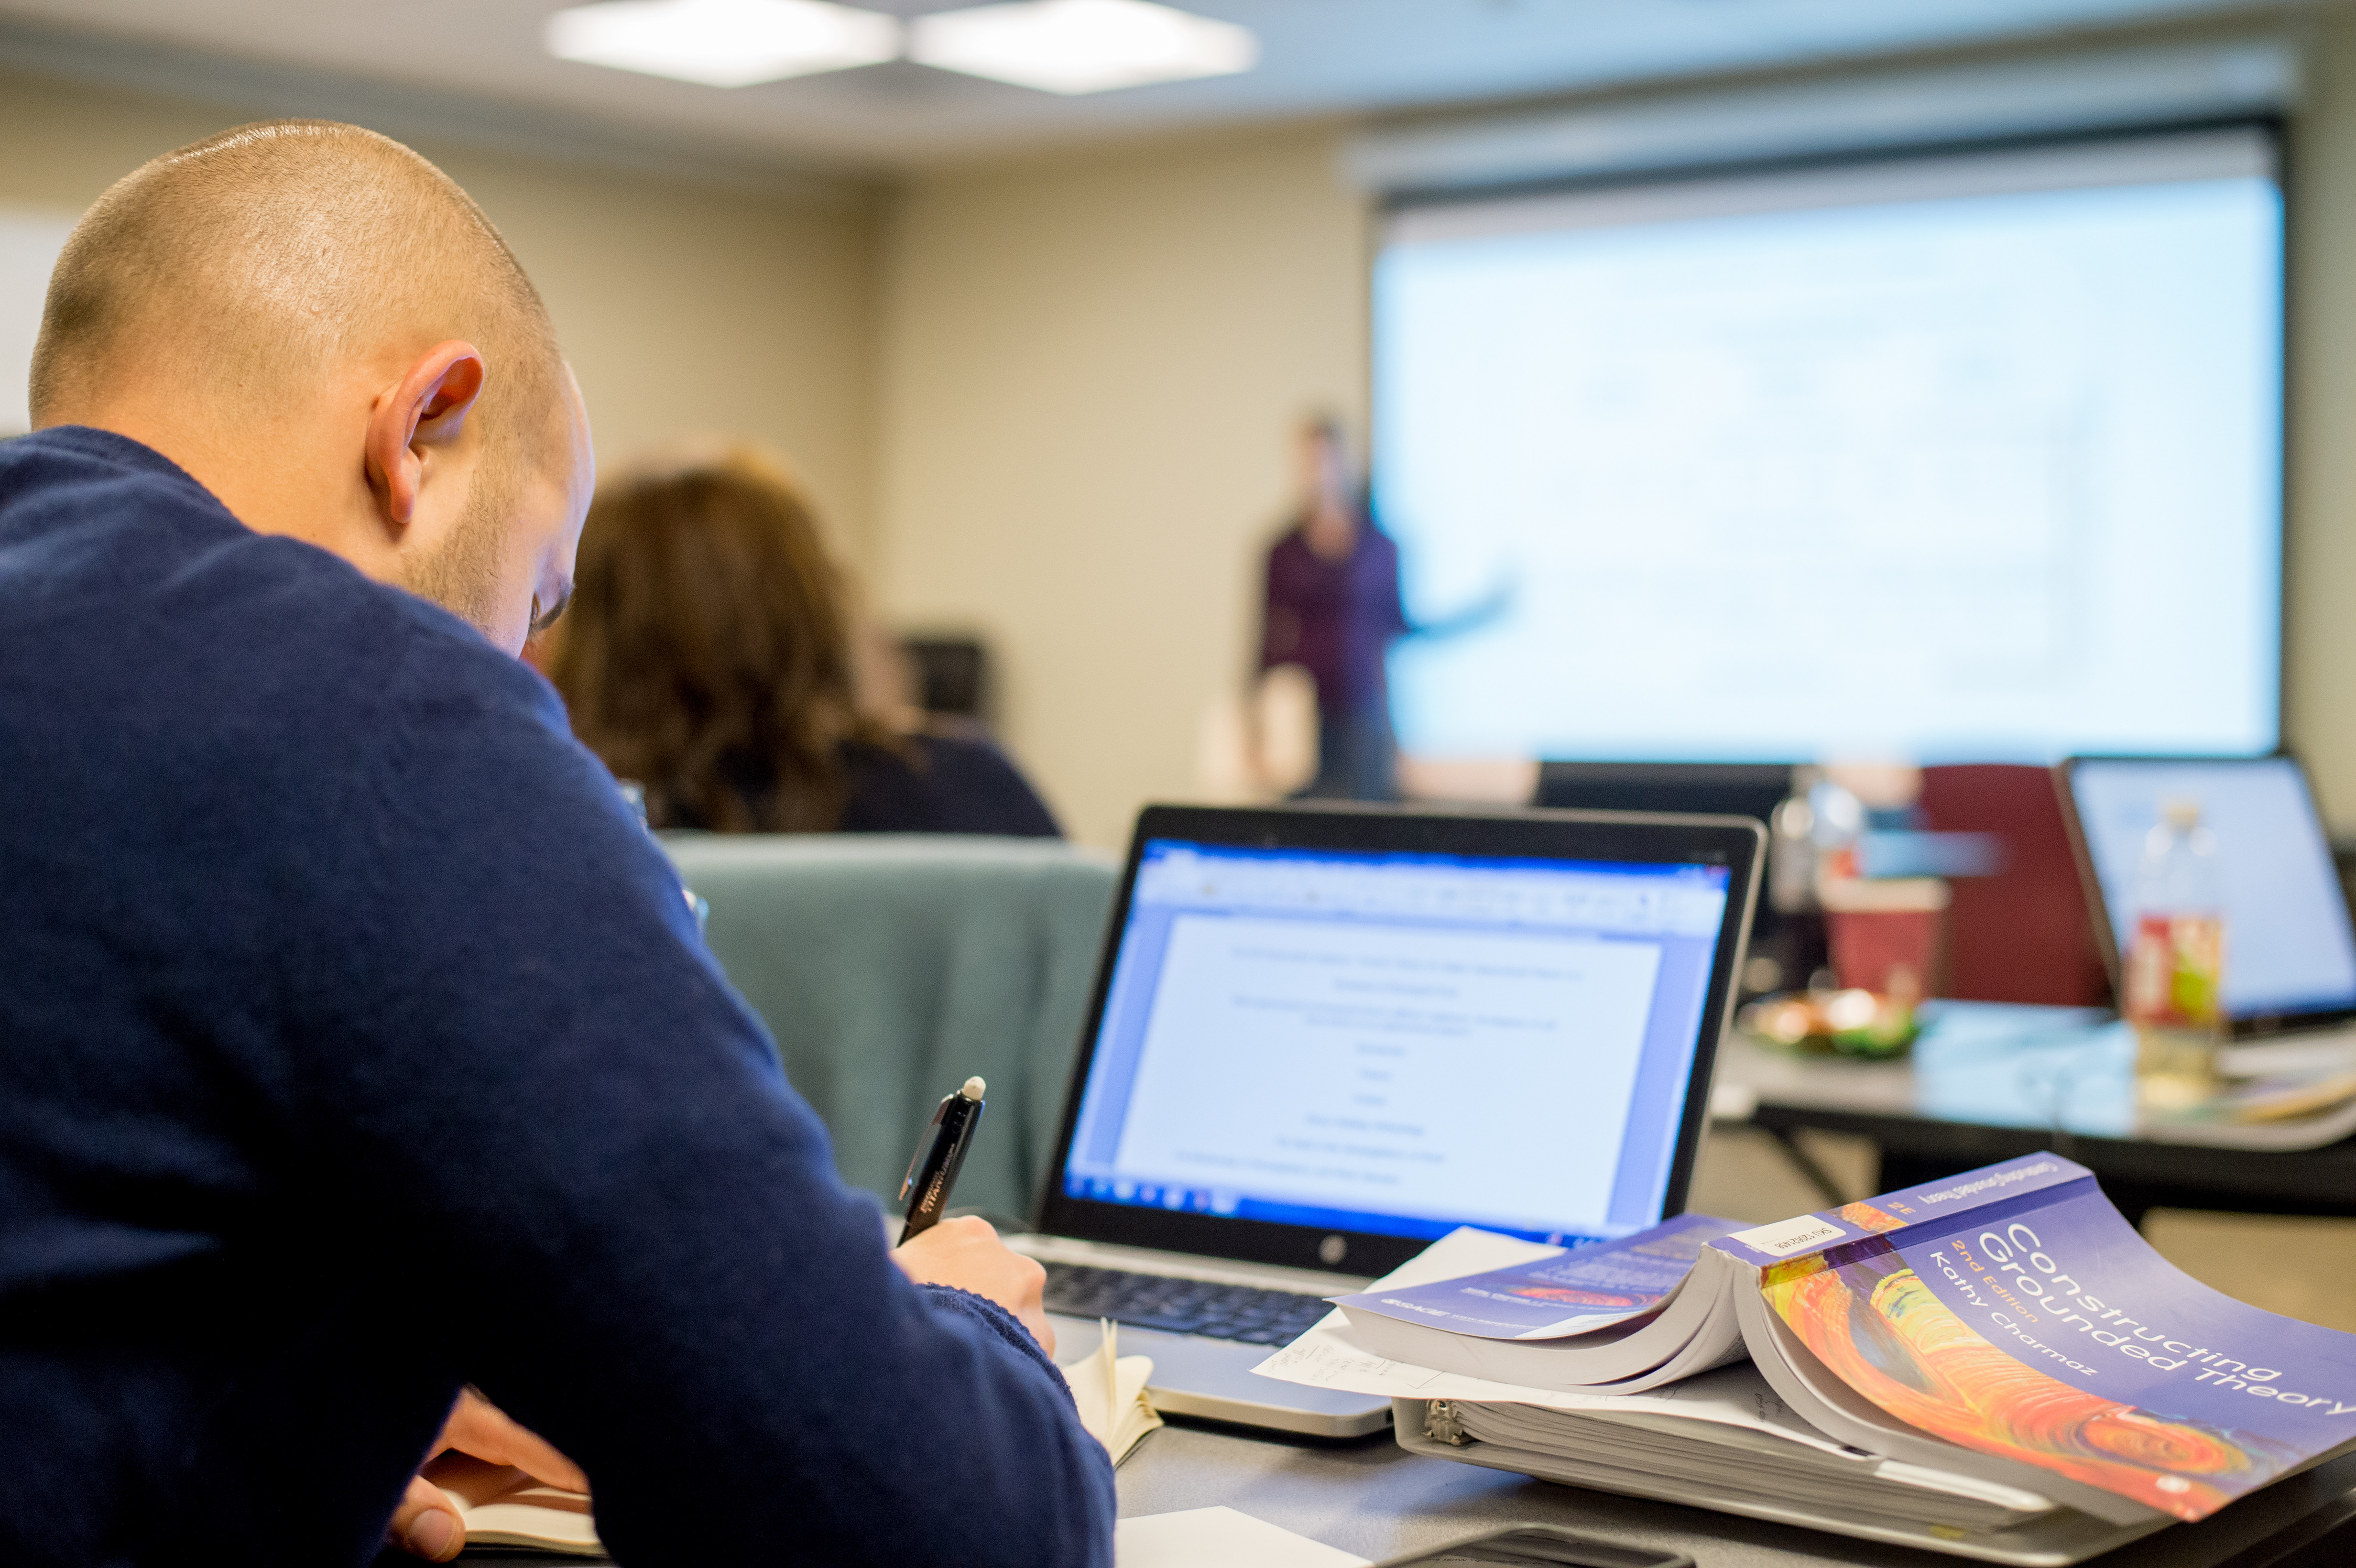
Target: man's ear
426	408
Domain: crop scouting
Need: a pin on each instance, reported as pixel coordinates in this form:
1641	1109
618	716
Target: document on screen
1394	1067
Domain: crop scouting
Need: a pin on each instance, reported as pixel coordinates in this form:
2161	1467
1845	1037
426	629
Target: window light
1081	46
722	42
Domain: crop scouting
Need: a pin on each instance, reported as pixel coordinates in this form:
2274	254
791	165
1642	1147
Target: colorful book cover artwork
2053	1335
1866	1216
1614	1283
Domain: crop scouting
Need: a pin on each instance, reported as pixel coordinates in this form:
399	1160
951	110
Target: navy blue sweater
355	1042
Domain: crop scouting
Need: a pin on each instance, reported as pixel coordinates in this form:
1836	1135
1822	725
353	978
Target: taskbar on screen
1230	1205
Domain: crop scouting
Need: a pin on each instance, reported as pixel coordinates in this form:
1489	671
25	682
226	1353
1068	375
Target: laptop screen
2289	946
1398	1043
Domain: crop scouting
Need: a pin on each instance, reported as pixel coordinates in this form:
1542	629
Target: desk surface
1374	1498
2068	1069
1986	1083
1377	1501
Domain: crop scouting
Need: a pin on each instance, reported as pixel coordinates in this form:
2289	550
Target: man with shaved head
357	1046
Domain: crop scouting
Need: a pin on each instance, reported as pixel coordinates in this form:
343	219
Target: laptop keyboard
1239	1312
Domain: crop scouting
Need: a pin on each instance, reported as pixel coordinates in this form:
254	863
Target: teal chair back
892	968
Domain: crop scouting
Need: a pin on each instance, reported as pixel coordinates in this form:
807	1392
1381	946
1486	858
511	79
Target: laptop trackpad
1189	1368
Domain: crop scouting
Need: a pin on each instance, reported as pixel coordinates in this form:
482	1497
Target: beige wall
1047	399
1088	368
1089	371
2320	673
685	308
688	310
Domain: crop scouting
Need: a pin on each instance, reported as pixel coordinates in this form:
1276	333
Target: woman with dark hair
709	656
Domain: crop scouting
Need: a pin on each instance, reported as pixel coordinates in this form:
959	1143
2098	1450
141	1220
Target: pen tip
974	1089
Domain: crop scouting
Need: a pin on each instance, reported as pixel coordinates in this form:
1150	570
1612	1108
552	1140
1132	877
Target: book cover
2011	1184
1614	1283
2017	1313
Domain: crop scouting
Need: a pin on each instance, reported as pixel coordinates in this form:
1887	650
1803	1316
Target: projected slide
1966	458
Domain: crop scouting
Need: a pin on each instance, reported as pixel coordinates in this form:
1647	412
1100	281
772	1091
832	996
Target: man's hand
967	1254
425	1524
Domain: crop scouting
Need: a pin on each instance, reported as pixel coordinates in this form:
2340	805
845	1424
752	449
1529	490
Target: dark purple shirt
1334	618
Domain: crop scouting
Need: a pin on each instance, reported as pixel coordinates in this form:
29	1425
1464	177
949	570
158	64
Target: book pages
1582	1294
541	1517
1109	1389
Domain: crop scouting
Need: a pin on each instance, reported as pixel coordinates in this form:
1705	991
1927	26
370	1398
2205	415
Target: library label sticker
1785	1237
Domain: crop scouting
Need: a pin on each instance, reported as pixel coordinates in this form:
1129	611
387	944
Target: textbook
1721	1439
1614	1317
2004	1329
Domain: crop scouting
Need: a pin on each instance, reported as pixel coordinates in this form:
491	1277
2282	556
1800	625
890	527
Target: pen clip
924	1145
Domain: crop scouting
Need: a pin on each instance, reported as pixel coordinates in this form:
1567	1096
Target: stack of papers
1219	1538
1774	1459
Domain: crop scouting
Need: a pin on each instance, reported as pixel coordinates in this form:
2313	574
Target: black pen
933	1168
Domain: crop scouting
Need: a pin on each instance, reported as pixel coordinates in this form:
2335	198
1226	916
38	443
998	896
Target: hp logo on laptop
1332	1249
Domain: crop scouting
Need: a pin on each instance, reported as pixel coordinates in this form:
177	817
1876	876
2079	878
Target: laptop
2290	951
1322	1039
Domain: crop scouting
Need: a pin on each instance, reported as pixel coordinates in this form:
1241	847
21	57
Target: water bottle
2173	986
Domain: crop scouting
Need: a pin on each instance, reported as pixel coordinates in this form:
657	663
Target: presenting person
359	1044
1333	607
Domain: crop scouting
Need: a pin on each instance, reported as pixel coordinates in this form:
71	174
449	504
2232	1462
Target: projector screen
1968	457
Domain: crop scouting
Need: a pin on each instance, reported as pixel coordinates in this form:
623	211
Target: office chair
891	967
2020	934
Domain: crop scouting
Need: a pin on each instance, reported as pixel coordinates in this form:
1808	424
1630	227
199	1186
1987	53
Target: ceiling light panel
1081	46
722	42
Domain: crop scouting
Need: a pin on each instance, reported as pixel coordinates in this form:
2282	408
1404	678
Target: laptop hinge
1186	1265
